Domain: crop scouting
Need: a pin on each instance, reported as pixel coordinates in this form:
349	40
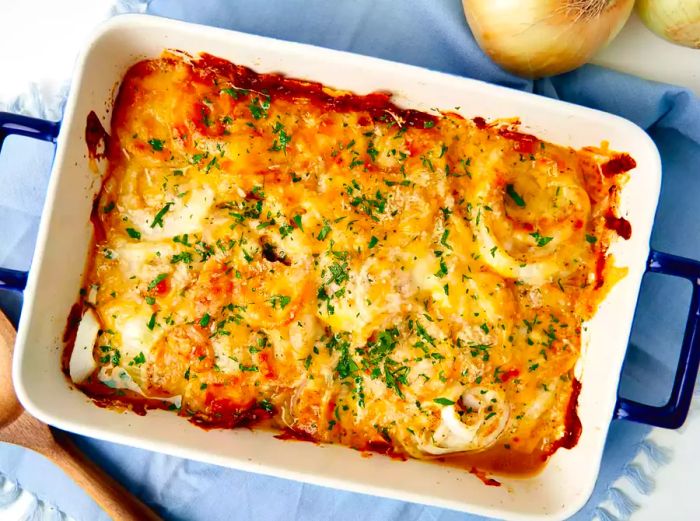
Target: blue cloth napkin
431	34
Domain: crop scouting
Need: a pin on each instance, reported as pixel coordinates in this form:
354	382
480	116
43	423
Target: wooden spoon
19	428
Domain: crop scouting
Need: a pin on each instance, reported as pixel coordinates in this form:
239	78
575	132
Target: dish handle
674	412
29	127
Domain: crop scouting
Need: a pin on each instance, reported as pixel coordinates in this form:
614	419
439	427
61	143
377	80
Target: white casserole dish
64	238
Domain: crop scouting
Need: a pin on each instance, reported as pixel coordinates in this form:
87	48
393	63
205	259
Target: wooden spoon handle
120	504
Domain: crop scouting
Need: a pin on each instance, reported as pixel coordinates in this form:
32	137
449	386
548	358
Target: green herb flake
204	321
297	221
258	108
156	144
266	406
372	152
443	239
138	359
324	232
134	234
281	300
541	240
283	140
373	242
443	401
517	199
443	269
231	92
184	256
158	219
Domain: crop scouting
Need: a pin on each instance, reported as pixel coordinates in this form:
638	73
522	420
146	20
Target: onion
535	38
676	20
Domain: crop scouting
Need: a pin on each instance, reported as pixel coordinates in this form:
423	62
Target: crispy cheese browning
273	251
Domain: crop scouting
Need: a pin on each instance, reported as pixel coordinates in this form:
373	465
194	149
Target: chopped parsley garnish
356	162
266	406
443	401
443	239
339	272
373	242
591	239
258	108
158	219
283	138
297	221
134	234
517	199
151	322
367	204
541	240
156	144
346	365
108	207
424	334
371	151
138	359
443	269
204	321
234	93
184	256
286	229
281	300
324	232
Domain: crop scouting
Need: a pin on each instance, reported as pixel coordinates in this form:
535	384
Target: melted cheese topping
353	272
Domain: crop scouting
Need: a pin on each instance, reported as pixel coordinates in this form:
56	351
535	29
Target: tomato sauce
618	165
619	224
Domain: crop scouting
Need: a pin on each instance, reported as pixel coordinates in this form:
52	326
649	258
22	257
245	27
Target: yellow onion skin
537	38
677	21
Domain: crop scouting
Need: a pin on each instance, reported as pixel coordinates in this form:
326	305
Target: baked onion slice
475	424
531	229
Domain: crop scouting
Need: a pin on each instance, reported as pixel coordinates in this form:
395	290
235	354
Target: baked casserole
275	253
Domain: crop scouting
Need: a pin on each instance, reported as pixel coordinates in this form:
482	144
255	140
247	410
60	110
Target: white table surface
640	52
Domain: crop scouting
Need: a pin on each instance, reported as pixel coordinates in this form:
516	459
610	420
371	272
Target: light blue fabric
433	34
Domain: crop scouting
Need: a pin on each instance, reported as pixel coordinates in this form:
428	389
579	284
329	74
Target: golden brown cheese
271	250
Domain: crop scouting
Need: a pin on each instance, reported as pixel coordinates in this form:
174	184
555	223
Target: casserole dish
64	239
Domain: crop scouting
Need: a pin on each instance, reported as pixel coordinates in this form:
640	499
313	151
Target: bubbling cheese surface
273	251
